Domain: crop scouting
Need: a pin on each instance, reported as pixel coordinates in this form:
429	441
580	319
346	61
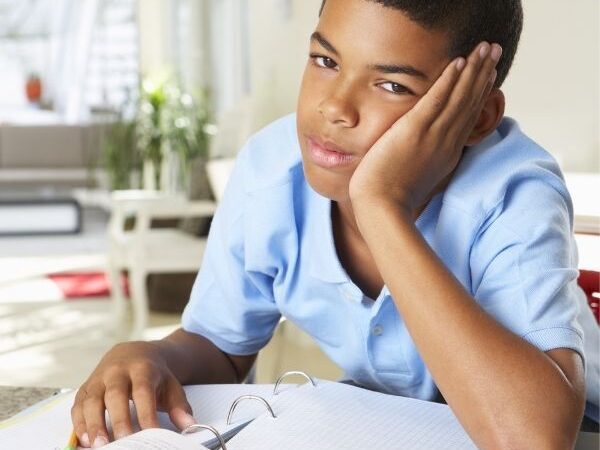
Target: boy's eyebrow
316	36
399	68
383	68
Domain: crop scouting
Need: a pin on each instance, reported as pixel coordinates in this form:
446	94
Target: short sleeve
524	266
230	306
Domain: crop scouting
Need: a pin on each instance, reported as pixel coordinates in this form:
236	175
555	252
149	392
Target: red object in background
33	89
95	284
589	281
85	284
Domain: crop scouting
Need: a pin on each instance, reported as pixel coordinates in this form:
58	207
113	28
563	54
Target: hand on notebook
136	371
423	147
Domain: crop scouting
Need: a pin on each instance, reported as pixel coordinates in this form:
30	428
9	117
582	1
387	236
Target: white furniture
145	250
585	192
51	155
218	171
38	216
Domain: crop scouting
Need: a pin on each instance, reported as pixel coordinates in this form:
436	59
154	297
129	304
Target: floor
48	341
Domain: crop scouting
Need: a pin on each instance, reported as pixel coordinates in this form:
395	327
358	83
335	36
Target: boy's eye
395	88
324	61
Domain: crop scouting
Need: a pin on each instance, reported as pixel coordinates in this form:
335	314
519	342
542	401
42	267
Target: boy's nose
339	111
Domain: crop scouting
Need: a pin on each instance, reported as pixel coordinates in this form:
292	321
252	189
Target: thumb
178	408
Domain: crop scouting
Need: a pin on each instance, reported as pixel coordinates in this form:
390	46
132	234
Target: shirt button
377	330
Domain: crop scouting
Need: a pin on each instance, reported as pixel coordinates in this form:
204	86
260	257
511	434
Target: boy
422	240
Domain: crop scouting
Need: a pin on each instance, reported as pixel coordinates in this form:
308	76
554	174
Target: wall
553	89
279	34
155	32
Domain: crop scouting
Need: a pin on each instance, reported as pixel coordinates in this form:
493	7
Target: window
86	53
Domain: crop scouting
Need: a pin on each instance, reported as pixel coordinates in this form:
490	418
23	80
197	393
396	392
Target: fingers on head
487	72
467	91
473	85
483	67
436	99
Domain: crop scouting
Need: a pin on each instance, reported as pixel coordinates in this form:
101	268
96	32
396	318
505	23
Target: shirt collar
325	264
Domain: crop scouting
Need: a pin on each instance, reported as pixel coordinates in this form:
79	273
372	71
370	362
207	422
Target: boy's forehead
380	34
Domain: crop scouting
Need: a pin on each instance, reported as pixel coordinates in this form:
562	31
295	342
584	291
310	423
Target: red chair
589	281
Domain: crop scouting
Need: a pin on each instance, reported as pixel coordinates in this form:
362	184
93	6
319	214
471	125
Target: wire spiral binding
198	426
248	397
293	372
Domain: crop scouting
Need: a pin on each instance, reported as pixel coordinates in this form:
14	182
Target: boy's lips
327	154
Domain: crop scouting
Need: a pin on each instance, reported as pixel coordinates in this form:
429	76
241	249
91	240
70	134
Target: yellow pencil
73	442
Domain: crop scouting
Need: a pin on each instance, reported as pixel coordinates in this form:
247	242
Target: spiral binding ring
199	426
248	397
293	372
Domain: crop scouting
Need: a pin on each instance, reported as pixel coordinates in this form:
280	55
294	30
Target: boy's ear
490	117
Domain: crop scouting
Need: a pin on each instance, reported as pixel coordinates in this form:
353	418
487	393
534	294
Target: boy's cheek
375	116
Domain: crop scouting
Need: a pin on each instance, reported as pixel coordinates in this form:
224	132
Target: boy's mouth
328	155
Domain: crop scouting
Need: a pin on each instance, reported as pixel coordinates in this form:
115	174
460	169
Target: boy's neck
346	218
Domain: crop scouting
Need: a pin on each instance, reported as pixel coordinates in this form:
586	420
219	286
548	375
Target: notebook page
335	416
44	426
211	402
51	419
155	439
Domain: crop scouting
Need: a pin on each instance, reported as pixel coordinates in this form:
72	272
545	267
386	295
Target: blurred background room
119	122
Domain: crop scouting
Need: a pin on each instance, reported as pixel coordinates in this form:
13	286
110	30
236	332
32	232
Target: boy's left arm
506	392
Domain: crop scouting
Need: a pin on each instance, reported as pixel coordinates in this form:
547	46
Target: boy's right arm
152	374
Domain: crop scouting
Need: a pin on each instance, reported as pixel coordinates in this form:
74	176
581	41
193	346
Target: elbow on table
539	434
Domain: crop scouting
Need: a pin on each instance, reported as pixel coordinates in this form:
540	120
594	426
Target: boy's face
369	65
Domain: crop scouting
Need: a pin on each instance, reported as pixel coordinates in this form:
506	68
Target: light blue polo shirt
503	227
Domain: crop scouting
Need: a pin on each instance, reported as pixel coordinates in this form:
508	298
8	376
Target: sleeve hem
247	348
556	337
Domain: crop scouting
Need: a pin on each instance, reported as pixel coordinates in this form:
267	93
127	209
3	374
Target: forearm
497	384
194	359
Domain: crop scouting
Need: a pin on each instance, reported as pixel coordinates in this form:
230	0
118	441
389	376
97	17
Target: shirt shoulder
271	158
269	196
507	171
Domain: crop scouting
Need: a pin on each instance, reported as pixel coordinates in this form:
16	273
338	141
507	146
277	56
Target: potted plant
33	88
189	129
121	158
149	130
173	131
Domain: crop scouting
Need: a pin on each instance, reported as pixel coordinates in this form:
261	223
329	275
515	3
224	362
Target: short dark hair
467	23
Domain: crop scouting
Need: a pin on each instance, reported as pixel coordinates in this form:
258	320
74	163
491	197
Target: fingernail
85	440
100	441
460	64
496	52
484	50
189	420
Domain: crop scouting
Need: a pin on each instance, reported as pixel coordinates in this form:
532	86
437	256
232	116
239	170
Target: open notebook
326	415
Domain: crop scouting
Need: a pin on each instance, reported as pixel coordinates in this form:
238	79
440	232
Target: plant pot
33	89
197	188
149	175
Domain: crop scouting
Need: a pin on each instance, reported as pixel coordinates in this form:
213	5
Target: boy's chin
333	189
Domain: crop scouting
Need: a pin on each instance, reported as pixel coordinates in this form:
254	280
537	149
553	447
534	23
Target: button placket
377	330
350	294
